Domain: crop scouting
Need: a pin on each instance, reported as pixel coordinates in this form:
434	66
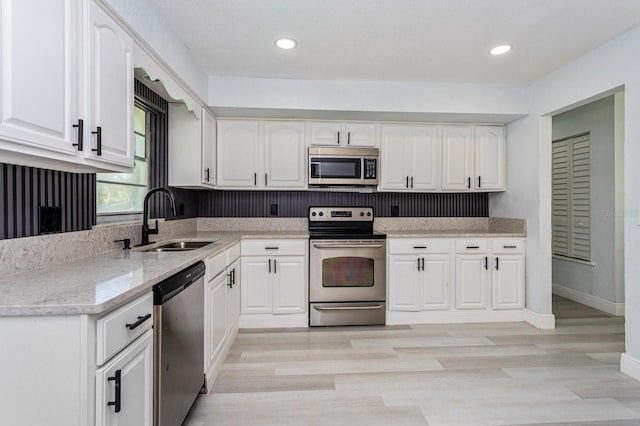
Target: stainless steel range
347	267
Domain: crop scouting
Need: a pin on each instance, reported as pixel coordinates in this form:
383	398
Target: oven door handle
348	308
343	246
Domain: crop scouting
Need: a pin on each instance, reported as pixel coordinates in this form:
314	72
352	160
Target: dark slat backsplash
296	203
24	189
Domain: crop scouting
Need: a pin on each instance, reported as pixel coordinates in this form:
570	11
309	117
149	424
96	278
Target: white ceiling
395	40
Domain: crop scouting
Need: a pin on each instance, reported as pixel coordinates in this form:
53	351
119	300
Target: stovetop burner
342	223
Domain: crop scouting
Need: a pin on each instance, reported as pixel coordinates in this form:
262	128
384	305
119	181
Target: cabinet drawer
419	245
216	264
122	326
476	245
274	247
233	253
505	245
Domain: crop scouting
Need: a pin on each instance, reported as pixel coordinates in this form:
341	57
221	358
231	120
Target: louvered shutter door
580	199
560	202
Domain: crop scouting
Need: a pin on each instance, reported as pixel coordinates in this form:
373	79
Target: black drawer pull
118	400
275	268
419	247
137	323
473	247
509	247
272	248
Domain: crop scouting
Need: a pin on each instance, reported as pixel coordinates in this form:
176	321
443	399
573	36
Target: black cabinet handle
411	181
206	174
407	184
275	269
497	267
486	262
348	138
255	179
469	182
230	280
473	247
509	247
479	186
269	265
98	133
265	179
272	248
418	264
233	276
419	247
137	323
423	263
80	127
118	400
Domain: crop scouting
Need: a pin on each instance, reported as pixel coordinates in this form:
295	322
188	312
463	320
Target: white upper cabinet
39	68
410	157
457	158
192	141
261	154
489	158
284	154
342	133
111	90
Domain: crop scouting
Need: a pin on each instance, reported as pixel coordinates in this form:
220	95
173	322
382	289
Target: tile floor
464	374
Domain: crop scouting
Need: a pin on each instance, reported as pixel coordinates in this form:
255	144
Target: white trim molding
630	366
541	321
612	308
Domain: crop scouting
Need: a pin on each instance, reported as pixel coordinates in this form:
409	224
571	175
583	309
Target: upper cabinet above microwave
342	133
66	102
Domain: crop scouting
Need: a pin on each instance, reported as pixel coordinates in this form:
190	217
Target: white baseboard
630	366
274	321
542	321
444	317
603	305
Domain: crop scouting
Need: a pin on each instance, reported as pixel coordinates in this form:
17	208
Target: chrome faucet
146	231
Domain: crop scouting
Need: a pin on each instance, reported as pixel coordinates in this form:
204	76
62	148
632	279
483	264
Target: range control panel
354	214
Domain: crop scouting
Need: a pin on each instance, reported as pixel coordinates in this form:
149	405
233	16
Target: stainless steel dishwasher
178	356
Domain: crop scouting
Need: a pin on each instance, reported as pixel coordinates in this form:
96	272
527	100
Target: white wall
603	70
598	278
145	19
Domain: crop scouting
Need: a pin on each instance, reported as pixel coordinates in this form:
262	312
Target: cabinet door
457	158
215	318
358	134
395	169
234	295
255	291
424	157
489	158
285	154
133	368
238	154
40	73
289	284
435	283
471	281
508	282
405	280
325	133
208	148
111	85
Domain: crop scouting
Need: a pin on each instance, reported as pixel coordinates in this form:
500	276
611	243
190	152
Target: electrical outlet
50	220
395	211
274	210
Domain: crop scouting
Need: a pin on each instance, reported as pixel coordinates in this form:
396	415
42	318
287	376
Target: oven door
347	271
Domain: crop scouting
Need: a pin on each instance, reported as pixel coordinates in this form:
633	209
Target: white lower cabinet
274	283
124	386
222	305
463	279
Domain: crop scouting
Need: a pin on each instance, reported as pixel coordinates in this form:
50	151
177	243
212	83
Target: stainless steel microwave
343	165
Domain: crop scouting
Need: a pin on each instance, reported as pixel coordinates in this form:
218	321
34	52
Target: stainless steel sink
185	245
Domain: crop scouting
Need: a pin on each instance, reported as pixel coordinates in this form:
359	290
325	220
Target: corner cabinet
473	158
192	141
255	154
274	286
83	121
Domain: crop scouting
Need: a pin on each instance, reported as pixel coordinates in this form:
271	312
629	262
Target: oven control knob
321	214
313	214
361	213
368	213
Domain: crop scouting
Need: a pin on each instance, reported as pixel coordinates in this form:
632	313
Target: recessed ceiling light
286	43
499	50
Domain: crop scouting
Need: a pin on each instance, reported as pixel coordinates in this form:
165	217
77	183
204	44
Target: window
119	194
571	234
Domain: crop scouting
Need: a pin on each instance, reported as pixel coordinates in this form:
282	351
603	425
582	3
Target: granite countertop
417	233
98	284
